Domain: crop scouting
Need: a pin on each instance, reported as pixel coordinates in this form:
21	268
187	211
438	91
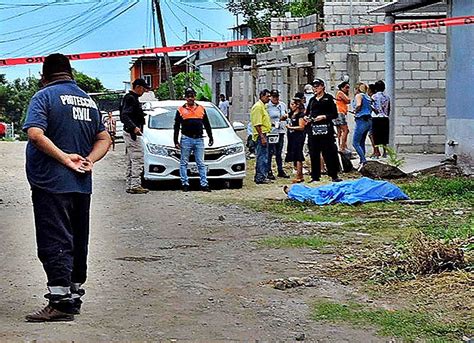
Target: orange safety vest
195	112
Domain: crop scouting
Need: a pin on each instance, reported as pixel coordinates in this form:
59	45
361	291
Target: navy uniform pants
62	235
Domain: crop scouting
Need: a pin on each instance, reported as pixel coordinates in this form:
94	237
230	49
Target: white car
225	160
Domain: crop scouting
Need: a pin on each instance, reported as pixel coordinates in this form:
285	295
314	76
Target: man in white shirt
278	116
224	105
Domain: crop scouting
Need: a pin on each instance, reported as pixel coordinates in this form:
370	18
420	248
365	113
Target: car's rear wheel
236	184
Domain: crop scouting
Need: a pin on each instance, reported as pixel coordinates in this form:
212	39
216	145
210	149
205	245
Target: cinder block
442	130
442	65
403	120
429	130
436	121
403	75
363	66
419	120
429	84
437	75
411	111
412	84
407	47
420	102
367	57
429	65
368	76
402	56
437	139
418	139
441	84
428	111
376	66
398	84
419	75
442	111
411	148
403	103
411	130
411	65
380	57
419	56
338	47
404	139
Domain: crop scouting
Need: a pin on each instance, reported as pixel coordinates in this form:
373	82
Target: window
147	78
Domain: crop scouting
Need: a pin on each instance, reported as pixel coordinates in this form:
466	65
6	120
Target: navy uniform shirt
71	120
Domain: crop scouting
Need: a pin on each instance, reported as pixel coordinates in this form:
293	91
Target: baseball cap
298	96
189	92
317	82
274	92
140	82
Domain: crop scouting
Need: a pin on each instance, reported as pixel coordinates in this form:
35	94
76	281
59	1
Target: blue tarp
347	192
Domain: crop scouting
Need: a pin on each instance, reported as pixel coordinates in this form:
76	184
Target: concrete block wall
420	72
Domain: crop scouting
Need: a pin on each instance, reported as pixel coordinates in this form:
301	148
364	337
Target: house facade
152	69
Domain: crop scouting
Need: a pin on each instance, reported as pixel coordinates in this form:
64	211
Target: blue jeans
276	149
362	128
195	145
261	152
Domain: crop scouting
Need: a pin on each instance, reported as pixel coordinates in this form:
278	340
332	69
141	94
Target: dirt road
162	266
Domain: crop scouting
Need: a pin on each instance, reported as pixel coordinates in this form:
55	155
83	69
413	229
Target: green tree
258	14
183	80
87	83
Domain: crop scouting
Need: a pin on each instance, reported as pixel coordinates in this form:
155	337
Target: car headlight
234	149
160	150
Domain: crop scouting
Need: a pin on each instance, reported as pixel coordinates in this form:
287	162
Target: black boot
76	294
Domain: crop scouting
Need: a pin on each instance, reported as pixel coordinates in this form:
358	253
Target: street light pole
163	44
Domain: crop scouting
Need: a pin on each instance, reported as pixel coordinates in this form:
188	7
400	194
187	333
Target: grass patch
440	189
312	242
409	325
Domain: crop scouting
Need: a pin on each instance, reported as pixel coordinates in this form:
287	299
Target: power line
197	19
34	27
174	14
96	27
52	33
26	12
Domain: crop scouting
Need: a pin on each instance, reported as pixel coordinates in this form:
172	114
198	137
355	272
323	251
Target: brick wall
420	72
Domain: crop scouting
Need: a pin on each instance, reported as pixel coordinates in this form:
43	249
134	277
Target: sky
40	27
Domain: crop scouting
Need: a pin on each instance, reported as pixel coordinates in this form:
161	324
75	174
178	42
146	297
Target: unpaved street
162	266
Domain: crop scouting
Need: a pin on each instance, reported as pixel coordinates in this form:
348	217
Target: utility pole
163	44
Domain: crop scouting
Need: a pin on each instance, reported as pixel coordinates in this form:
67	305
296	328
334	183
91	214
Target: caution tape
320	35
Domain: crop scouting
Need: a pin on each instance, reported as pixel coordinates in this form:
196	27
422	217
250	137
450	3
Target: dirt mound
446	170
377	170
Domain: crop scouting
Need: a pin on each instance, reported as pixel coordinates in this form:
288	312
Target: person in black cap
190	119
65	138
133	119
320	112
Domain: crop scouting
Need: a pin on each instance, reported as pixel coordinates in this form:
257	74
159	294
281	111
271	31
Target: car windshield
163	118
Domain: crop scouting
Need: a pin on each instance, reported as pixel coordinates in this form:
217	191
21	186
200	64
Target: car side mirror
238	126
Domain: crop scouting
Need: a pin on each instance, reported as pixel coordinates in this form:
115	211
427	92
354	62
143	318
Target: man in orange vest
191	118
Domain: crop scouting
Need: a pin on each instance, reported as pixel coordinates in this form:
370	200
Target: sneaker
336	180
283	175
205	189
49	314
137	190
270	176
185	188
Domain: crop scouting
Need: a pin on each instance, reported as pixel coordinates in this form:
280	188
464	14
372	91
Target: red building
153	70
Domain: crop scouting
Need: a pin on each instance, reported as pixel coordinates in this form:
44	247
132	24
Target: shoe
314	180
49	314
264	182
185	188
205	189
297	180
361	165
137	190
283	175
76	306
270	176
336	180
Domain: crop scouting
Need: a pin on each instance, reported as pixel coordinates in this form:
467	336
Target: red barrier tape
321	35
